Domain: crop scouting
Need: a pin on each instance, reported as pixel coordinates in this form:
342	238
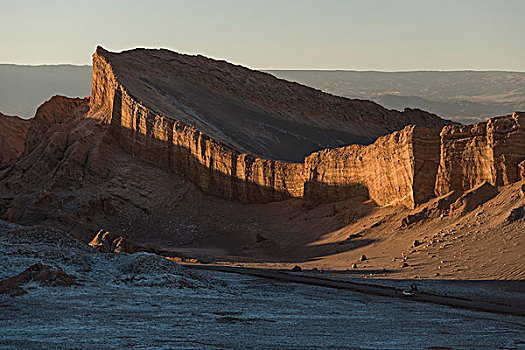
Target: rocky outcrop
107	242
54	114
44	275
62	151
13	132
398	168
516	214
60	144
218	165
490	151
436	207
473	198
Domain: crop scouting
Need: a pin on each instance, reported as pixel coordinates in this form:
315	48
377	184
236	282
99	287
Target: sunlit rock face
399	168
188	114
230	130
490	151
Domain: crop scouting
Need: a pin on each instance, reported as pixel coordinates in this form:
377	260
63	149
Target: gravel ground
242	312
143	301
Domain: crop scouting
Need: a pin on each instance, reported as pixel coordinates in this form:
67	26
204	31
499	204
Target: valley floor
243	312
144	301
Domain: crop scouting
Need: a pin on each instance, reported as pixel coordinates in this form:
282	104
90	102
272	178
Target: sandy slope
480	245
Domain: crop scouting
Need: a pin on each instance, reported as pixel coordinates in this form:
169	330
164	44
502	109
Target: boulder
516	214
296	268
473	198
107	242
416	243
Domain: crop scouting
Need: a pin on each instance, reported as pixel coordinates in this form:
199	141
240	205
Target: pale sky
385	35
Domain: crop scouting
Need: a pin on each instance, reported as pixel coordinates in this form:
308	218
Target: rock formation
13	132
180	134
44	275
84	162
473	198
489	151
107	242
60	145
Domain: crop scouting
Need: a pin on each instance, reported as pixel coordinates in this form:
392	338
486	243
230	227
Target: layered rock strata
407	167
399	168
472	154
250	111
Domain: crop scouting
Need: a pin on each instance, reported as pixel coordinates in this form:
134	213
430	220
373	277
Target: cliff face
399	168
217	169
472	154
407	167
221	170
249	111
13	132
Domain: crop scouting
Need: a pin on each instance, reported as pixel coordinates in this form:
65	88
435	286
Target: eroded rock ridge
406	167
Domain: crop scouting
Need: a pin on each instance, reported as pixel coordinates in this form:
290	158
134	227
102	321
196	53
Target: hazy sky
361	35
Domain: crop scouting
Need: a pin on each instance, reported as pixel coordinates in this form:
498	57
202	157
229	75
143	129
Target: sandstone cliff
490	151
399	168
179	140
164	125
12	136
407	167
250	111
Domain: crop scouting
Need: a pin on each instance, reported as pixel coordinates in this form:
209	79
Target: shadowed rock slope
12	136
199	117
249	111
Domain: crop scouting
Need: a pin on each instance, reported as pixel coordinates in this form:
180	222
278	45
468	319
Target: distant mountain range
464	96
24	88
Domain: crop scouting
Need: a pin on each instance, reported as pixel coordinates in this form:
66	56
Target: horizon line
304	69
